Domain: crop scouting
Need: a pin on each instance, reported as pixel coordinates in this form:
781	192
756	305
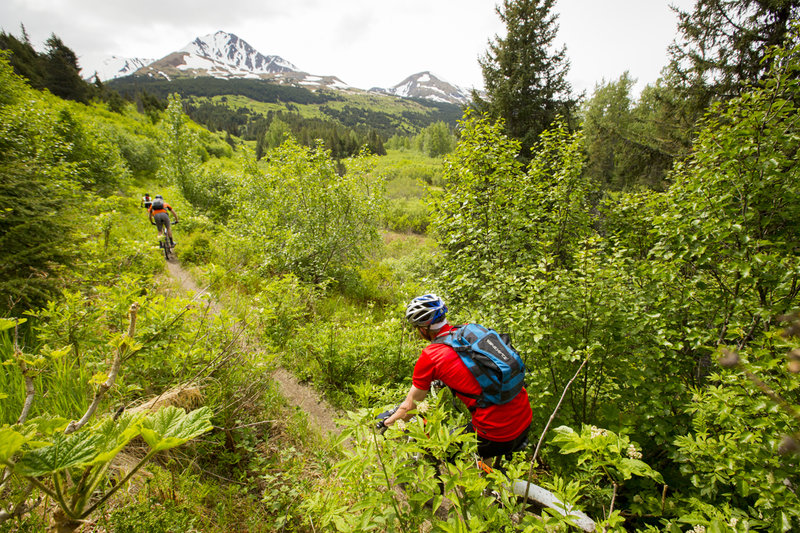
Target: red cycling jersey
498	423
154	211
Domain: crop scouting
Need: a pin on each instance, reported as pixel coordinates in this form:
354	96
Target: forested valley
642	251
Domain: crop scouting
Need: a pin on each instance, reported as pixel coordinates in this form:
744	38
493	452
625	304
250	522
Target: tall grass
61	384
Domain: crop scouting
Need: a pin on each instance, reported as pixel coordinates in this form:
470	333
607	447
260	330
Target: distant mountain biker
146	201
500	428
158	213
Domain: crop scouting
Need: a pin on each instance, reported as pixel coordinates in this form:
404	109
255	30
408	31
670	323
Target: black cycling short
162	221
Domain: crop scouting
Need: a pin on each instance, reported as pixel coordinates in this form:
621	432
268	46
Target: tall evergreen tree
62	76
626	145
525	77
25	60
721	49
723	44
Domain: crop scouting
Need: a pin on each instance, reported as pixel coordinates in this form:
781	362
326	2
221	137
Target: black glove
381	418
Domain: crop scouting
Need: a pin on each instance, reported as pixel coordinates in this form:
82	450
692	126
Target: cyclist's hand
380	425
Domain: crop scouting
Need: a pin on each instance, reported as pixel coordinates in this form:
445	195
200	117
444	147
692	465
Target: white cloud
365	43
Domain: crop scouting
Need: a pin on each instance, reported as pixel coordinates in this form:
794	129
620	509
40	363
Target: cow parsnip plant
68	461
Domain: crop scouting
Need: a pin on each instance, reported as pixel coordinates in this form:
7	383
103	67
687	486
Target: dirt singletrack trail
320	413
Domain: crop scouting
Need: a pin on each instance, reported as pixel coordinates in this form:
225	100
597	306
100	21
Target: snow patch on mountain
224	55
229	50
116	67
429	87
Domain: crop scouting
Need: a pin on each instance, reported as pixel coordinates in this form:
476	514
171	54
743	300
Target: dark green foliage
724	44
150	105
35	232
386	123
375	143
258	90
525	79
56	69
26	61
218	117
341	141
721	50
624	146
62	72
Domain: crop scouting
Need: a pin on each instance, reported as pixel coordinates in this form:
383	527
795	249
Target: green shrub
407	215
197	249
155	515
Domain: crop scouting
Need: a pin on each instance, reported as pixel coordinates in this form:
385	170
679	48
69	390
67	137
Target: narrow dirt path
320	413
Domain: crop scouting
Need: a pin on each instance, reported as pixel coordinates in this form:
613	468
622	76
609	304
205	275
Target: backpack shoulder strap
448	340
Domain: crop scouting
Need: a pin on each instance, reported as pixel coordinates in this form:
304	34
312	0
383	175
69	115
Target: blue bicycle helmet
426	310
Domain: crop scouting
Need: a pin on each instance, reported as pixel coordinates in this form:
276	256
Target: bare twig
112	376
547	426
613	499
253	424
558	406
30	390
388	481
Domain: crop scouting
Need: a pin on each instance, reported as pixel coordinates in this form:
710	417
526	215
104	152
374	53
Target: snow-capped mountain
224	55
428	86
116	67
226	51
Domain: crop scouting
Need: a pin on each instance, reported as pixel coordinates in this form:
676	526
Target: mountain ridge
225	55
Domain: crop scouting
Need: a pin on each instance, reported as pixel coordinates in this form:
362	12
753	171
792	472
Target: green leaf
10	443
638	468
78	449
47	425
8	323
171	427
115	435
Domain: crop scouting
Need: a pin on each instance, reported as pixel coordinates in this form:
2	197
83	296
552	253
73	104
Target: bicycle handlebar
380	424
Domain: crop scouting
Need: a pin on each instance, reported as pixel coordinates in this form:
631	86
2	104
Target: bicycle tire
544	498
164	244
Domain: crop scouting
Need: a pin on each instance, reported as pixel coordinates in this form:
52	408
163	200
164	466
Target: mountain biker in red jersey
158	212
501	429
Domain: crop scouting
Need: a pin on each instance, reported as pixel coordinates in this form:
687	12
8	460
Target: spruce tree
25	60
63	77
723	45
721	50
525	77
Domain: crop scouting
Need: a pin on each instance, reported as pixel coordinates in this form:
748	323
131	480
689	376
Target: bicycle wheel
544	498
165	246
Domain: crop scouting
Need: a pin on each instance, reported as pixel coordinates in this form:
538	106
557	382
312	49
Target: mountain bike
534	497
164	242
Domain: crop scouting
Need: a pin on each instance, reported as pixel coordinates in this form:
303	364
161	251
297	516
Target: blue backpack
491	359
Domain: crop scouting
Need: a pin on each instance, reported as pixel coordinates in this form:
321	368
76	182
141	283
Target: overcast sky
366	43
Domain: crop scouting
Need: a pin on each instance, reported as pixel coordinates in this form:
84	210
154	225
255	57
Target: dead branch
547	426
